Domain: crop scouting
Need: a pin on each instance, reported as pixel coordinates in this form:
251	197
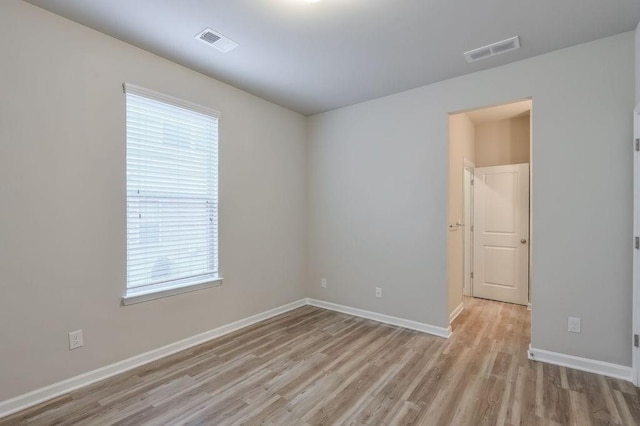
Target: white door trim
636	252
467	239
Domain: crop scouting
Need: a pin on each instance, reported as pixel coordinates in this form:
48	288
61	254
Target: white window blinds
172	192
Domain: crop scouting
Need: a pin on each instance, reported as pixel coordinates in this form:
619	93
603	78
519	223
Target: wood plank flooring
313	366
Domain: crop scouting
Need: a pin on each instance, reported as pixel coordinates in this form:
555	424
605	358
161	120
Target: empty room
319	212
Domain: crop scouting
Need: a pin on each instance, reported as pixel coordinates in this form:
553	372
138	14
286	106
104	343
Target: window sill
133	297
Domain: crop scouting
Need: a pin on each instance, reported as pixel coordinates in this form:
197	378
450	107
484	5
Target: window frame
181	285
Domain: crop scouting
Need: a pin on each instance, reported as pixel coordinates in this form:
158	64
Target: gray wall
378	186
62	192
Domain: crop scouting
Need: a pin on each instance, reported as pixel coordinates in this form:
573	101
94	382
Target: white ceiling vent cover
217	40
493	49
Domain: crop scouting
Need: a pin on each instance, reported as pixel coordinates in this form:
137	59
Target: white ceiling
314	57
499	112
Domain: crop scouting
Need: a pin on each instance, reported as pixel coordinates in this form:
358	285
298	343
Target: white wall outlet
378	292
574	325
75	340
323	283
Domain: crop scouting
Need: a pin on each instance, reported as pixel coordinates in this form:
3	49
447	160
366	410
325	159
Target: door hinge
471	228
472	182
638	144
636	341
472	275
637	243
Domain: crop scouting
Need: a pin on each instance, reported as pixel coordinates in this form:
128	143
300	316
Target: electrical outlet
323	283
75	340
378	292
574	325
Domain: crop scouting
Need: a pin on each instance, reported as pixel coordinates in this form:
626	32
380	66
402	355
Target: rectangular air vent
493	49
217	40
478	54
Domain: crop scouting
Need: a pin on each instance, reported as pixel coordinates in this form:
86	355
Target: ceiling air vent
217	40
493	49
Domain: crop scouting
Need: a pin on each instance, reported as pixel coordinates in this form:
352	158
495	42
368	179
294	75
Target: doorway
489	205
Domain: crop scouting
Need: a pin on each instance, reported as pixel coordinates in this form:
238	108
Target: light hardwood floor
312	366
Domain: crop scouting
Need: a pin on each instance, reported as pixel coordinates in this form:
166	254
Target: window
172	195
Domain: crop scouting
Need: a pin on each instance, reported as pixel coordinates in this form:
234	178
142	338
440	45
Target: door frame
636	252
467	239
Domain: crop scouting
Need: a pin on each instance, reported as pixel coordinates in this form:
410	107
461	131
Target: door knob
523	241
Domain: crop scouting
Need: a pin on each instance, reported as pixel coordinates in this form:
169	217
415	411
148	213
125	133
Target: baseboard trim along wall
46	393
583	364
457	311
387	319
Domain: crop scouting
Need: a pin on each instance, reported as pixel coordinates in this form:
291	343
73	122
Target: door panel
500	266
499	209
501	233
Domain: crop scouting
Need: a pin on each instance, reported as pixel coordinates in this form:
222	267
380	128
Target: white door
501	233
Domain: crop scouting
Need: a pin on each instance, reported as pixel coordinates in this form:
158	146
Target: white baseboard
46	393
529	306
457	311
400	322
583	364
37	396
